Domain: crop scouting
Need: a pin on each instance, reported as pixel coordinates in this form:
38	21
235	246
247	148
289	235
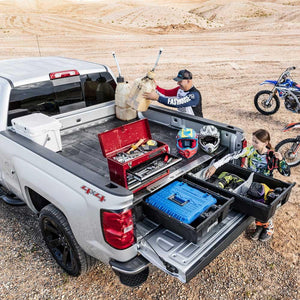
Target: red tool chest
117	142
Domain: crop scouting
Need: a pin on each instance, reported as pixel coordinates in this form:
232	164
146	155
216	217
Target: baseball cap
183	74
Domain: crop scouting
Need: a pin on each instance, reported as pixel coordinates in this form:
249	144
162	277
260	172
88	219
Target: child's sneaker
267	232
255	235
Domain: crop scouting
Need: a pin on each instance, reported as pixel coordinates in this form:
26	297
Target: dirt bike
267	102
289	148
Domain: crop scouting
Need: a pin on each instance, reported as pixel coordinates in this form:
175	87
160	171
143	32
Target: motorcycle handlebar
290	68
286	73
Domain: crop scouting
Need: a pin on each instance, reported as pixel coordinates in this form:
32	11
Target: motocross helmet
187	142
209	138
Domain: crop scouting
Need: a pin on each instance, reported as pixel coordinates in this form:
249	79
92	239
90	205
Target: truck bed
83	146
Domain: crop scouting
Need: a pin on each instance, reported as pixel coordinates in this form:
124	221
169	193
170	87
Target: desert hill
230	47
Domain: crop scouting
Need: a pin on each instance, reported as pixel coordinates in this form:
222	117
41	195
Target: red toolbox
130	171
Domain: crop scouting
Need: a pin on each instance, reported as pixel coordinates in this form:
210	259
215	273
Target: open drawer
242	203
176	215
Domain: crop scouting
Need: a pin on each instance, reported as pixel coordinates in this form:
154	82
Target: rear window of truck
58	96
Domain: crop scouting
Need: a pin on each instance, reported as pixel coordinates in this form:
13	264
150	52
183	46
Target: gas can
122	94
123	110
141	85
125	113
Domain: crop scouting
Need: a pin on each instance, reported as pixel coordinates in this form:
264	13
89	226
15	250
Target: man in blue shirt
185	96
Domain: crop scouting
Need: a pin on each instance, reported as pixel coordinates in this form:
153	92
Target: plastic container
41	129
181	201
201	225
125	114
136	99
261	211
122	94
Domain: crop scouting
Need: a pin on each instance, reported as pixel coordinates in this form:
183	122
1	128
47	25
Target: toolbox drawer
200	225
261	211
150	171
127	164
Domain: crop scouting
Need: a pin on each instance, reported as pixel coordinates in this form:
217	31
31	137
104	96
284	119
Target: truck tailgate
181	258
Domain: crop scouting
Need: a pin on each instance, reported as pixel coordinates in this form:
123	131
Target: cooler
41	129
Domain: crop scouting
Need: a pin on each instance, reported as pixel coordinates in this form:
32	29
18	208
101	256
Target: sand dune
230	47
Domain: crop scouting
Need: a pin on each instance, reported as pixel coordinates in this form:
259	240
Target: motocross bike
267	102
289	148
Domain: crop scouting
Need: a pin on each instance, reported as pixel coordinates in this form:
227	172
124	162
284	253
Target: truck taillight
62	74
243	159
118	228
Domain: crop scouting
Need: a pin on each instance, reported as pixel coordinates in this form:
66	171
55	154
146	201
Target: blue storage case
188	201
182	201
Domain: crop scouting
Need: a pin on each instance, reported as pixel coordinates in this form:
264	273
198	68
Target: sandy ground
230	47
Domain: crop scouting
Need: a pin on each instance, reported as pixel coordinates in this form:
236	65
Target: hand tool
150	145
136	145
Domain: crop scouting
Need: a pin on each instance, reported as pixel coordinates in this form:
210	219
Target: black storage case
191	232
262	212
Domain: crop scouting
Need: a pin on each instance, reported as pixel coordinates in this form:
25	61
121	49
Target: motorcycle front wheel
289	149
265	105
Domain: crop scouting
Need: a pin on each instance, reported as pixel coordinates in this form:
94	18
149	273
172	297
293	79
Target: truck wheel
61	242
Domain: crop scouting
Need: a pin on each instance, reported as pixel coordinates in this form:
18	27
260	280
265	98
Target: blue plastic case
181	201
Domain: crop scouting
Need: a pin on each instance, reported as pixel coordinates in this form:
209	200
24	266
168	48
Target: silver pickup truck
65	178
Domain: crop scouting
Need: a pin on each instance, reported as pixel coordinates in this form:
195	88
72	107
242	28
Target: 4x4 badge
94	193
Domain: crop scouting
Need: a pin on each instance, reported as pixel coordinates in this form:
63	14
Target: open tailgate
182	258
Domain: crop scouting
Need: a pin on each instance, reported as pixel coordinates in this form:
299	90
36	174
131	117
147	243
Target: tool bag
228	181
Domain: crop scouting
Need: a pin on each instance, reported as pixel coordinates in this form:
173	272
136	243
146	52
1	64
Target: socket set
152	167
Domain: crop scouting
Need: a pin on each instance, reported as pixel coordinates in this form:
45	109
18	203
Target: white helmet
209	138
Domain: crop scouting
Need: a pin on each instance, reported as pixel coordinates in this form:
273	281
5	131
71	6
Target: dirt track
230	48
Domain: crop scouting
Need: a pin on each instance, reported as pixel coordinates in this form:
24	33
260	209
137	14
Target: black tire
61	242
285	148
260	103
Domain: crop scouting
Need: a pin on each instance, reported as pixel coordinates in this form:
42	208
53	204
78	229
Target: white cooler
41	129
